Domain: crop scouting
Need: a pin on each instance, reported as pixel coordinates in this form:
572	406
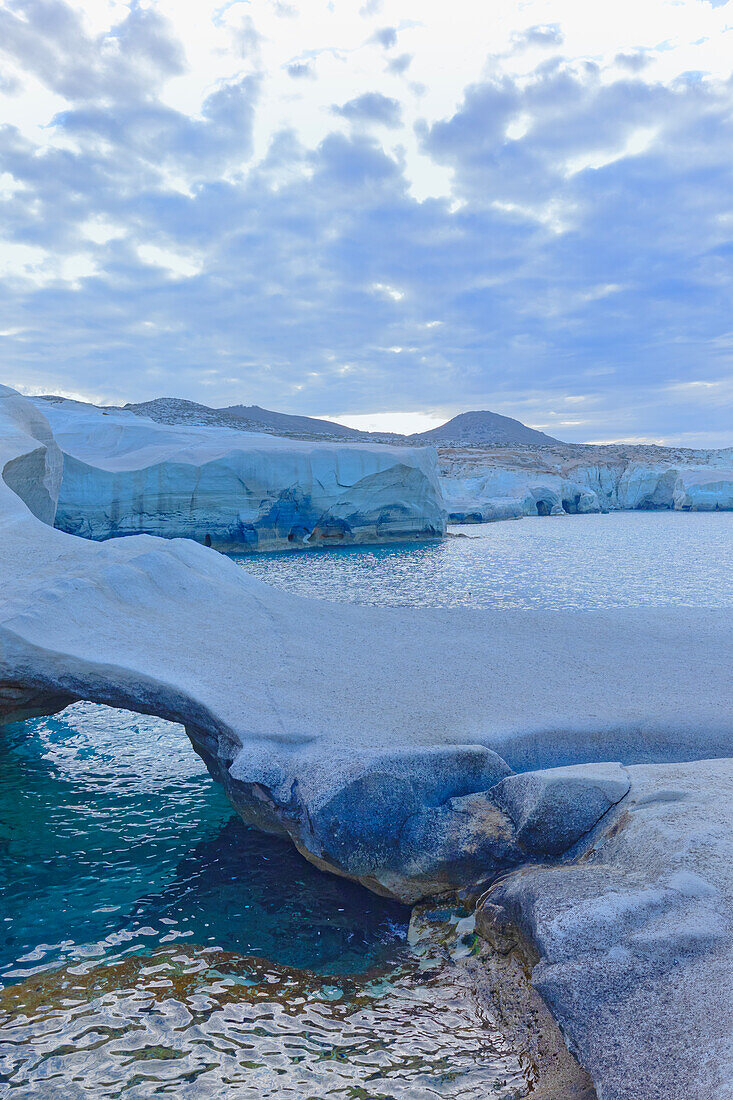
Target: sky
381	211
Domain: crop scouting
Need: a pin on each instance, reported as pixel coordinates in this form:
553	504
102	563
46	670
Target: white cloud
638	142
388	291
100	230
184	267
402	423
40	267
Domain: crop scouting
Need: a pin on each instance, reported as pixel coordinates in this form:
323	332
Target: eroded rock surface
551	809
635	936
482	484
235	490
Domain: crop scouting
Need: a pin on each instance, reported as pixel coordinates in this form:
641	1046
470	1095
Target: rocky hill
467	429
266	420
483	428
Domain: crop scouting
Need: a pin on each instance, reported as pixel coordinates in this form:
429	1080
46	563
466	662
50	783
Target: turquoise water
114	840
556	562
152	944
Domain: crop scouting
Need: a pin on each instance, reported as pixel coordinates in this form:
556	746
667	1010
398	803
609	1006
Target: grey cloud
386	37
371	107
158	135
9	85
301	70
399	64
633	62
247	38
547	34
48	39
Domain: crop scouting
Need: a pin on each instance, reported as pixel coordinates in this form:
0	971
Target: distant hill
464	430
275	421
483	427
175	410
247	418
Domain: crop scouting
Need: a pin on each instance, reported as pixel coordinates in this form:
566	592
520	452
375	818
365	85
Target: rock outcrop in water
482	484
234	490
386	743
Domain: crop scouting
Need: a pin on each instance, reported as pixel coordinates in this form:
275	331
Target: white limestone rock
552	809
234	490
398	724
291	700
704	490
635	936
485	484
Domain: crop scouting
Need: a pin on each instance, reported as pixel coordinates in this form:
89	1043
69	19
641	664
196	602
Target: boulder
552	809
635	936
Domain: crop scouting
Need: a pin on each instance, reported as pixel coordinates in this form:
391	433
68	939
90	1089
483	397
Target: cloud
301	70
399	65
48	38
386	37
371	107
584	247
160	137
632	62
547	34
247	39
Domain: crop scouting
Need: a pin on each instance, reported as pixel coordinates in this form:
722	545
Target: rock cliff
482	484
235	490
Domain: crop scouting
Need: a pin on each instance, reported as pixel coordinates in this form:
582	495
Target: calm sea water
151	944
572	562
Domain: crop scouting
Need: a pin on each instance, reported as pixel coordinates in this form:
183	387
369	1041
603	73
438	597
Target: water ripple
626	559
194	1021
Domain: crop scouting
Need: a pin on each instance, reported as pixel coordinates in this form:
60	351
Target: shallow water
556	562
113	838
195	1022
151	944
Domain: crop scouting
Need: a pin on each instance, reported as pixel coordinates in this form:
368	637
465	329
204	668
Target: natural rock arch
382	741
291	701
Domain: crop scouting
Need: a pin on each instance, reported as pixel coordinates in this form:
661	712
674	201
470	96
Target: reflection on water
113	838
626	559
151	944
198	1022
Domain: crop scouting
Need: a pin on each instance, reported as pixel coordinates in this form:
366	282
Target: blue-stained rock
552	809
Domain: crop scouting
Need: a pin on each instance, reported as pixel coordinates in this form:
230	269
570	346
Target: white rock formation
484	484
125	474
382	742
634	936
